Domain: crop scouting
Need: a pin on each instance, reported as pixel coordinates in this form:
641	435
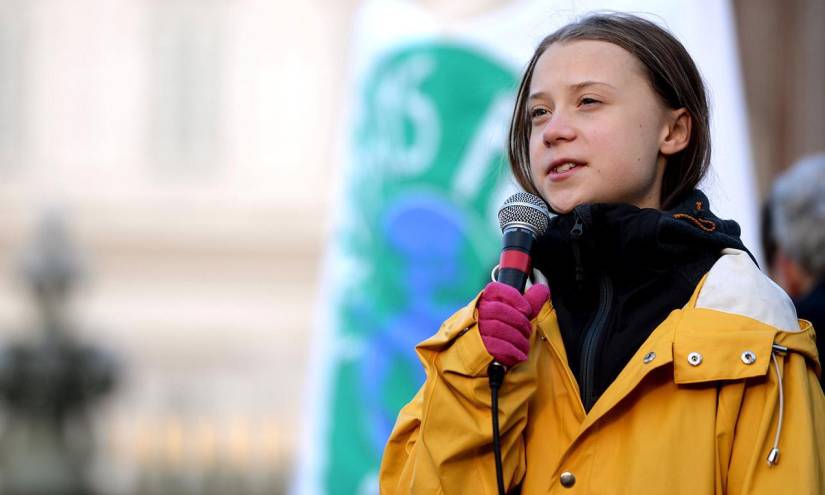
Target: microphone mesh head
525	210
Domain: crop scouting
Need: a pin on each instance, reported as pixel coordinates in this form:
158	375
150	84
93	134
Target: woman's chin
564	200
562	207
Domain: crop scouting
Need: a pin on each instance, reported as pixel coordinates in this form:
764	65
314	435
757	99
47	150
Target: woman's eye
538	112
588	101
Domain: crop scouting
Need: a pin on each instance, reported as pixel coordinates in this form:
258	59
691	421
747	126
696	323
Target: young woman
664	361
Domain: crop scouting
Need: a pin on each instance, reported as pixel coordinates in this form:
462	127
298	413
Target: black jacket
616	271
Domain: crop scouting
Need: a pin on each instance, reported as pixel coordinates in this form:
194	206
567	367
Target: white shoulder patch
735	285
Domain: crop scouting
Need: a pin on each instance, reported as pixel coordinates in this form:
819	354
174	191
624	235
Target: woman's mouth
563	169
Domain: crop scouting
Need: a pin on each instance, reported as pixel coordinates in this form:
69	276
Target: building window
13	98
186	68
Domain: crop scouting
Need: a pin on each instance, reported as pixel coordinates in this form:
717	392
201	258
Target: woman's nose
558	128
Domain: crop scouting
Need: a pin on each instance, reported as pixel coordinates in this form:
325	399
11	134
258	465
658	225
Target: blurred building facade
192	145
189	144
782	48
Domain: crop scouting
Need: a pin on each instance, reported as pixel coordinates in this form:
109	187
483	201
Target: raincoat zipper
575	237
592	341
594	331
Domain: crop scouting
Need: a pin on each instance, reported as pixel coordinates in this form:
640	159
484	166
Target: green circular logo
419	236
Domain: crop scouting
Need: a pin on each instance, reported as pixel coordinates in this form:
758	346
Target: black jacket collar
651	260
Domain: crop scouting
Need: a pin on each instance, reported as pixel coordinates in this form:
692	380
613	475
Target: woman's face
599	133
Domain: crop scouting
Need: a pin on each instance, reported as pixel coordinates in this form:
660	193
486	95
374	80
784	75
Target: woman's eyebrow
584	84
540	95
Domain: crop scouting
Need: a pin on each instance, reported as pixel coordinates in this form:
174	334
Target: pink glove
504	320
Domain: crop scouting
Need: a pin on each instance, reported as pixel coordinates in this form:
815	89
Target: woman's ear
676	134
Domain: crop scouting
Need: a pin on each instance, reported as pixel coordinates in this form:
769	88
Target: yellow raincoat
698	410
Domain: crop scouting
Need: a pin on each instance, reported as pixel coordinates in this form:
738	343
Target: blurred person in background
796	210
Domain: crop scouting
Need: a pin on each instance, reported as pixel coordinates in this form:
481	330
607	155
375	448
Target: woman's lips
563	170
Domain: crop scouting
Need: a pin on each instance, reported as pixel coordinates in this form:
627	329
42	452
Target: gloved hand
504	316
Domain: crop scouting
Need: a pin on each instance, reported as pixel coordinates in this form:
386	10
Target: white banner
424	145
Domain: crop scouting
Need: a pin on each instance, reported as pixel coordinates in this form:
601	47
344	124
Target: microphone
523	218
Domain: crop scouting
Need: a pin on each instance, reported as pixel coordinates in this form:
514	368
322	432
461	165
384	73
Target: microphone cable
523	217
495	374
